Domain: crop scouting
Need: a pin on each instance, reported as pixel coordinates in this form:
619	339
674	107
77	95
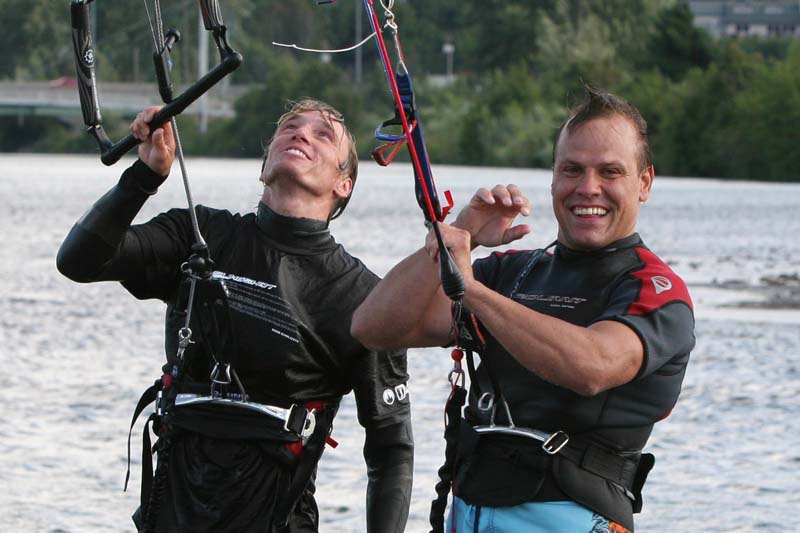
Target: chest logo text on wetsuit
241	279
260	301
569	302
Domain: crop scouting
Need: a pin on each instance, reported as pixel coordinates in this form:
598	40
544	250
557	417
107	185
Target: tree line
718	108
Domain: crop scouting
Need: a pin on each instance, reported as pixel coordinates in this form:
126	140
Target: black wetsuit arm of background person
99	246
389	453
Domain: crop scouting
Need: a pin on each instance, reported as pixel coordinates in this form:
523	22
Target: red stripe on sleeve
660	285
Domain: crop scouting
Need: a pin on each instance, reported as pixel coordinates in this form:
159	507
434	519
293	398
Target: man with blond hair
259	352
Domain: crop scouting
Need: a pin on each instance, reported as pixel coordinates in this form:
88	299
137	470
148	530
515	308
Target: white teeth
589	211
295	151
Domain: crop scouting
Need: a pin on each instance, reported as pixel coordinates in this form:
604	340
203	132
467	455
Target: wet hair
348	167
598	103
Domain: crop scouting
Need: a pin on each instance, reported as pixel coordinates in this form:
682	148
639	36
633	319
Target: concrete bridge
60	98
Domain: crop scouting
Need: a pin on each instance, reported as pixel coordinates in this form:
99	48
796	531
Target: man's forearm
96	239
406	309
586	360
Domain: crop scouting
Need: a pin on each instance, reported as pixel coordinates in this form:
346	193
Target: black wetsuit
291	291
625	283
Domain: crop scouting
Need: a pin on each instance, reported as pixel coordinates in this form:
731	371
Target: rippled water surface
76	357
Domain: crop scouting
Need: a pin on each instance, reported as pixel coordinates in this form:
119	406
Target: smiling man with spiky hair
584	343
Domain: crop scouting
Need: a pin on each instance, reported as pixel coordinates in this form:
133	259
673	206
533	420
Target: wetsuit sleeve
382	399
389	453
655	303
98	244
104	246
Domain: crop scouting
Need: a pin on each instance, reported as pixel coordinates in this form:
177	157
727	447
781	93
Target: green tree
700	137
677	45
768	112
571	52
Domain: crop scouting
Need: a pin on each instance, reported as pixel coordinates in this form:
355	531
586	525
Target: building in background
747	19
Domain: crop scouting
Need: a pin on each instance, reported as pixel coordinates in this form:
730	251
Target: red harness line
390	75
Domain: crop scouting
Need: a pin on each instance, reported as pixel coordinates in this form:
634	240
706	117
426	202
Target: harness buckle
218	379
555	442
309	425
300	421
486	401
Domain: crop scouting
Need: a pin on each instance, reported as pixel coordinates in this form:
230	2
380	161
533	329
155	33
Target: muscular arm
408	307
586	360
389	453
405	310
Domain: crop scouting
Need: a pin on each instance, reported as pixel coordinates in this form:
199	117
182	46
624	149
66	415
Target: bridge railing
61	97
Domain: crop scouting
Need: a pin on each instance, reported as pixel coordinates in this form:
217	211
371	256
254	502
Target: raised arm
94	249
586	360
408	307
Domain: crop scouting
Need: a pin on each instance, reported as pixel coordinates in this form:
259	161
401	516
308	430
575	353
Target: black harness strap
312	452
604	462
148	397
153	484
447	471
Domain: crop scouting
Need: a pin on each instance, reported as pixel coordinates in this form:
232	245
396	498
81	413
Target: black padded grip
84	62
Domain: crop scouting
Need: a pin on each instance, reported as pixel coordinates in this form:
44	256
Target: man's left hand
490	216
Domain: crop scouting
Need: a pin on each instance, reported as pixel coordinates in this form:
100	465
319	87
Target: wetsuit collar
627	242
299	235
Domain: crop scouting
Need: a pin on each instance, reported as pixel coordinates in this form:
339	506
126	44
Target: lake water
76	357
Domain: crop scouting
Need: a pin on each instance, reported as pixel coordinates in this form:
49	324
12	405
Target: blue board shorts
532	517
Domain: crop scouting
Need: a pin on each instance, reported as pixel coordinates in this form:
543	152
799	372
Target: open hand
490	215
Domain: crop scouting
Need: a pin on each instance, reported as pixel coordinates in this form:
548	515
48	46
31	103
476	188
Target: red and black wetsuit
624	282
291	291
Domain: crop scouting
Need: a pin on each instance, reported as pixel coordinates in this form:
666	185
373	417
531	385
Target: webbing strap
305	466
406	90
603	462
148	397
147	465
447	471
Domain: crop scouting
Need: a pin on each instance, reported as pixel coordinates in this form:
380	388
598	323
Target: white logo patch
388	396
399	393
661	284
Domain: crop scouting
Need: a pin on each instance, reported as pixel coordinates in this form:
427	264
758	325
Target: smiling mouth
589	211
295	151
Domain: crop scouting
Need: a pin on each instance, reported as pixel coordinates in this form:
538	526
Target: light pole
448	49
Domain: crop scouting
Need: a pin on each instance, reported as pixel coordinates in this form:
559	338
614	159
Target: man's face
307	149
598	183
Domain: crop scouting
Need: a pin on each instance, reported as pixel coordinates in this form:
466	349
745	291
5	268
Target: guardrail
60	97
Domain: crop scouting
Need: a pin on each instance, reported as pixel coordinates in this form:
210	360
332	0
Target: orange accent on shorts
613	527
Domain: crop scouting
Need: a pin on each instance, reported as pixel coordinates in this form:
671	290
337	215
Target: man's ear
646	182
344	187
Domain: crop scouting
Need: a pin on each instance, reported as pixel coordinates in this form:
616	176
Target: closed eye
326	133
